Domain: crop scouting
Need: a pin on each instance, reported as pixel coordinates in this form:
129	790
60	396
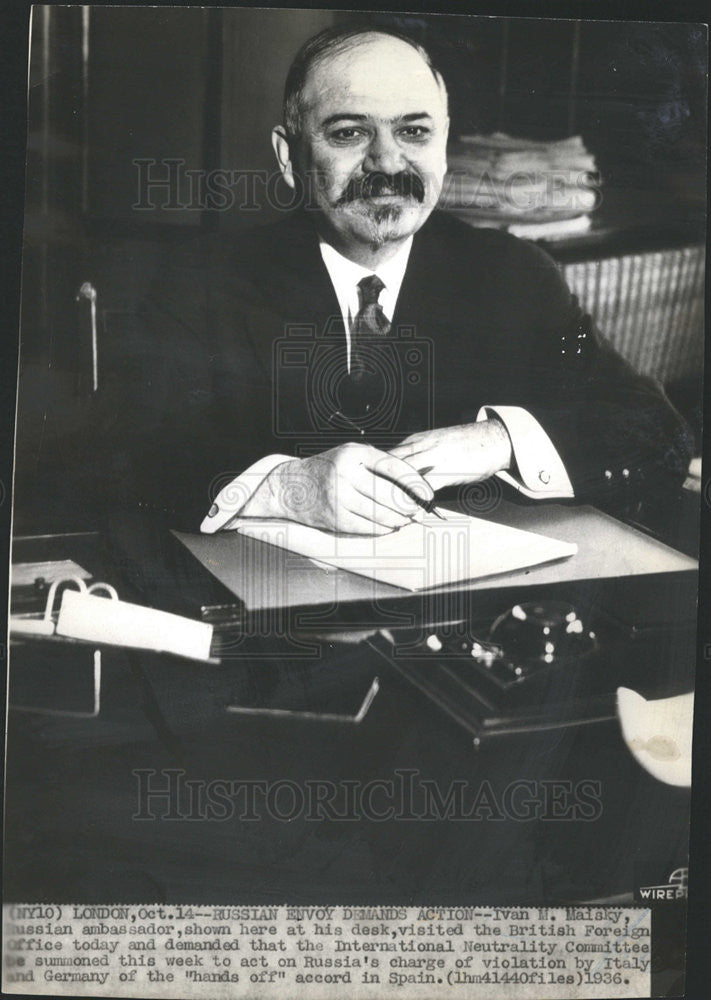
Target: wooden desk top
265	577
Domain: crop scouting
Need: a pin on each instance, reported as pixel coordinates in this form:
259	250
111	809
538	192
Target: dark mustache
405	184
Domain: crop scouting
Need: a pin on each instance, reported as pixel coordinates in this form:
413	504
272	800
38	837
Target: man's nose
384	154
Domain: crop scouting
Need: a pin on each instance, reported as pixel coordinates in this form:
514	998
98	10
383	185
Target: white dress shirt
345	275
538	471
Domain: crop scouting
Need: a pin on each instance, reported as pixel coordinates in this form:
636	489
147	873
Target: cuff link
544	476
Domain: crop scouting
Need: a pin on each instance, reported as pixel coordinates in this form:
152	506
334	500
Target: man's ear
282	151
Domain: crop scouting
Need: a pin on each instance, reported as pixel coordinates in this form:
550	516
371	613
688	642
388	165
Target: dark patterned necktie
369	322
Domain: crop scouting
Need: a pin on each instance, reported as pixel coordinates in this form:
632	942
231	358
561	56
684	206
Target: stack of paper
535	189
447	547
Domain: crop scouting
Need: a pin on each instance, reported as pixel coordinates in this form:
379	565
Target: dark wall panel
148	74
258	46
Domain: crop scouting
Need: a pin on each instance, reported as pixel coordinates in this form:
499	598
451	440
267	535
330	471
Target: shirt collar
345	275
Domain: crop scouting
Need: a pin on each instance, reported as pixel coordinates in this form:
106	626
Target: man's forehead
379	75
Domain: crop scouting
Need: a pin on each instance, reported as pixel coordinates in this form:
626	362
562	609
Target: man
517	382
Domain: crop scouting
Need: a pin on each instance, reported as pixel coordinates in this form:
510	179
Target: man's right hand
351	489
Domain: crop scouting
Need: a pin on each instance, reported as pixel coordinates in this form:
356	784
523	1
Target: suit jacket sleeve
615	430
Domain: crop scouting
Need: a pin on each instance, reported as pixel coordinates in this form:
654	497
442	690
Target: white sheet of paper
438	551
118	623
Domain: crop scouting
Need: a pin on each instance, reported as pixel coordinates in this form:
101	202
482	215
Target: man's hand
352	489
466	453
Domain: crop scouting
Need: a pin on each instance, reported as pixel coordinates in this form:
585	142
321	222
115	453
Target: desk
266	577
74	785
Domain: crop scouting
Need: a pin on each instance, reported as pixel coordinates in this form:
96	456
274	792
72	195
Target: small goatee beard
383	225
381	221
385	213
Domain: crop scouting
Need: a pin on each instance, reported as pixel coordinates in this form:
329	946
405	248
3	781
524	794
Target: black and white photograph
355	505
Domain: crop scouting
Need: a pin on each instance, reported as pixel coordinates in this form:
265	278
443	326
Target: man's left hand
466	453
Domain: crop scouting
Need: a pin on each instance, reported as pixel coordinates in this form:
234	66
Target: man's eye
346	134
415	132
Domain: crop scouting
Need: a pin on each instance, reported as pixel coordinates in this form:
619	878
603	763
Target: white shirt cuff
541	473
232	498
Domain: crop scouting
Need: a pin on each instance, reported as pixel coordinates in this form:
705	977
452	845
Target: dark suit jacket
241	353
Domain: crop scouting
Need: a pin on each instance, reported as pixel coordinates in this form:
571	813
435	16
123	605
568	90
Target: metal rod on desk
88	292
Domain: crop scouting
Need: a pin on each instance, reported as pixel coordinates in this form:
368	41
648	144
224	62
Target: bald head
365	132
332	43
